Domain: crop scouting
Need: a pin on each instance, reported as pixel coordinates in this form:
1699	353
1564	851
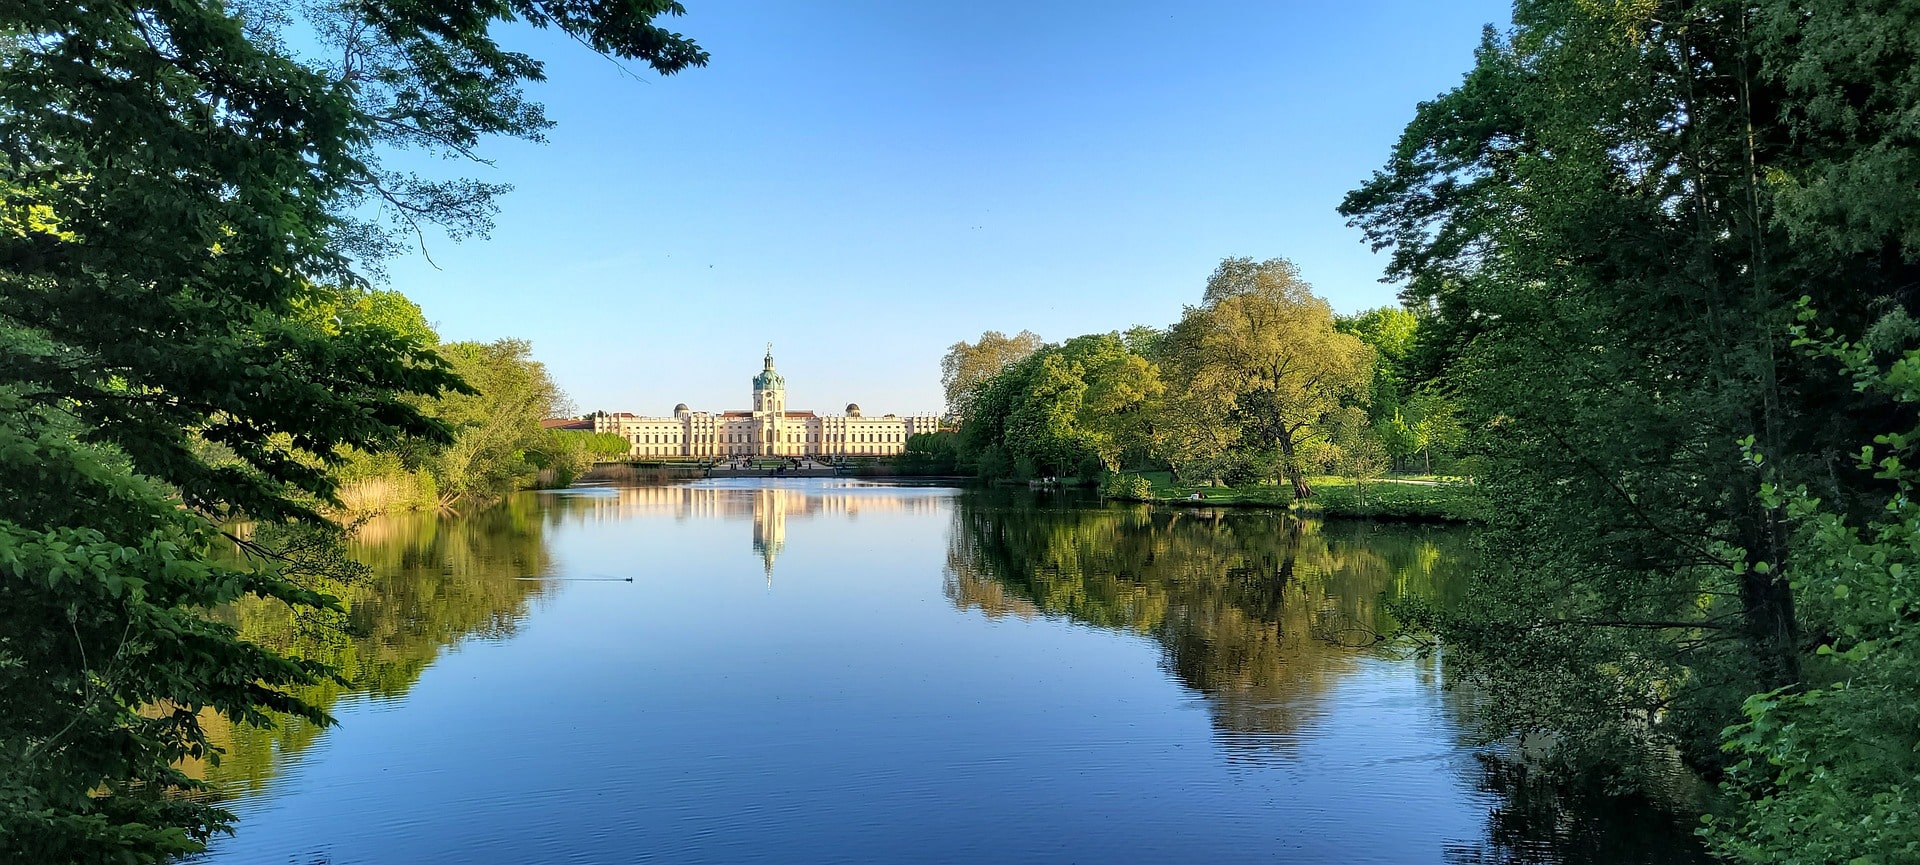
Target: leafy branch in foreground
1826	771
176	195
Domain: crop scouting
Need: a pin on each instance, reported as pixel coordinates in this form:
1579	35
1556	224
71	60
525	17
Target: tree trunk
1292	468
1772	635
1766	599
1285	572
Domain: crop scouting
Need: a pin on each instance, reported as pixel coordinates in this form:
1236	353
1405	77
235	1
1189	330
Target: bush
1244	471
1452	502
1125	486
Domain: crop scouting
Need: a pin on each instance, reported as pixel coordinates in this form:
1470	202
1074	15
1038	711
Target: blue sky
865	183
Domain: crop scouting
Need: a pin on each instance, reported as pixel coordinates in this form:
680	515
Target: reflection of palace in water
768	507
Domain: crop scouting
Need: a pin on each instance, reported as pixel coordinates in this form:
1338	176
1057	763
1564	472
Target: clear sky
863	184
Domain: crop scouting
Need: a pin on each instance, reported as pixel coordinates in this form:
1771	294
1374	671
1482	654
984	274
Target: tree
1071	409
177	189
1409	414
1145	341
967	367
1825	772
1391	332
1117	410
1192	433
1611	219
1351	449
496	427
1432	422
1264	347
602	445
934	453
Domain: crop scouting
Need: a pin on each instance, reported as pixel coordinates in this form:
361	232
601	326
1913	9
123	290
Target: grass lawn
1432	499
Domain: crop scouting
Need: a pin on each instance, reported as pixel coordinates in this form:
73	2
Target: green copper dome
768	379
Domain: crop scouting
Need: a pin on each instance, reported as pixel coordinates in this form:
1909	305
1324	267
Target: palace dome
853	409
681	409
768	379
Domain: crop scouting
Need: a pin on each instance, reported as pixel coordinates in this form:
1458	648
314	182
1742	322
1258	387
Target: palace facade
768	430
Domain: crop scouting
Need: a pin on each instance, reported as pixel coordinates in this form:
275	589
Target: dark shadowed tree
179	188
1612	219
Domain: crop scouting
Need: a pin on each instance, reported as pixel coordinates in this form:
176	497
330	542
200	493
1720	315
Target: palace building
768	430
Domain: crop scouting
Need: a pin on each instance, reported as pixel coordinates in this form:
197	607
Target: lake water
838	671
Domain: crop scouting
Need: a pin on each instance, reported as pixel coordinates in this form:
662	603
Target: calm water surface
835	671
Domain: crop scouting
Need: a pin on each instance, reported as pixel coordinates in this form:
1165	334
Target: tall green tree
1409	415
178	187
1611	219
1262	348
968	366
1074	408
497	444
1390	332
1826	772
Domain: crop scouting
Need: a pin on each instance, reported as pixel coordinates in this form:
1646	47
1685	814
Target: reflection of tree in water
1240	602
1234	597
1537	820
435	581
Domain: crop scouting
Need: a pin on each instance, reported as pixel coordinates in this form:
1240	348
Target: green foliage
968	367
185	341
364	309
1347	446
498	445
1239	390
561	455
497	442
1391	332
1120	485
1399	500
935	453
382	481
1829	770
1066	410
1411	419
1606	226
602	445
1258	366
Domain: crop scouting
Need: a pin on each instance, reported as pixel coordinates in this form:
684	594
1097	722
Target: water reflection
767	503
1254	610
964	676
1247	606
436	582
1532	820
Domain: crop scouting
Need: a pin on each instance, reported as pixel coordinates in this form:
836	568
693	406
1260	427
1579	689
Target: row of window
664	450
730	438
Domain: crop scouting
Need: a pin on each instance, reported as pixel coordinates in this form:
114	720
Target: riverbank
1447	500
